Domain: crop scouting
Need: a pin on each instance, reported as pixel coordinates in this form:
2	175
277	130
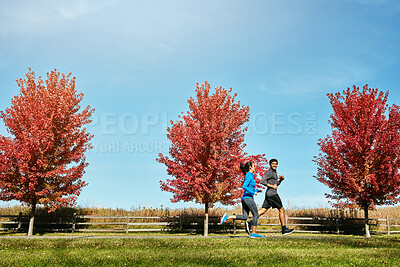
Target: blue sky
137	62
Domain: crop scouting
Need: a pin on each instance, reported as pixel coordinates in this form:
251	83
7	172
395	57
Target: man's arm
281	178
274	186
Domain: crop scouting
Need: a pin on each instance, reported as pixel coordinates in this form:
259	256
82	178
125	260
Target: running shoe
287	231
247	227
224	218
255	235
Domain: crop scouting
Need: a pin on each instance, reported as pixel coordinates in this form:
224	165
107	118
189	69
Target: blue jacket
249	186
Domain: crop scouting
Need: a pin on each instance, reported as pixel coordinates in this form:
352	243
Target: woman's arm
247	180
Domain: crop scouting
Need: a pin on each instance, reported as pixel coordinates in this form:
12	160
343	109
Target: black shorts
274	202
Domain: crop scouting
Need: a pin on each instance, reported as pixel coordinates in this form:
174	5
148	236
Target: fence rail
185	223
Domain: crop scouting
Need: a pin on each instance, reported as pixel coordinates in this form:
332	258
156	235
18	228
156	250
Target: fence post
127	224
73	223
180	222
234	227
337	224
19	221
388	224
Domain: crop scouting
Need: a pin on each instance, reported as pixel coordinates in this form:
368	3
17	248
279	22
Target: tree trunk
366	221
206	220
31	219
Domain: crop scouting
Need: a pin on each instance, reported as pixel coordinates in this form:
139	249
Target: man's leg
276	203
262	211
285	230
282	216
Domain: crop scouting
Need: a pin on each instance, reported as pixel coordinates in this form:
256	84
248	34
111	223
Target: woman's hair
245	167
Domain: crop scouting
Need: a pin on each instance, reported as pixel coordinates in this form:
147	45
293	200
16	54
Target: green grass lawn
288	251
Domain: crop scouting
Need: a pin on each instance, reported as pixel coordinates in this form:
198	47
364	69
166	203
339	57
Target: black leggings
248	204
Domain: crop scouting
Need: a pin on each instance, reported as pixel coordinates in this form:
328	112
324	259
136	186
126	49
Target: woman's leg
261	212
244	216
245	211
253	209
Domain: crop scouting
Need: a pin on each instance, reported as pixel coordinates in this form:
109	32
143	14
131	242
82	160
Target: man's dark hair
273	160
245	167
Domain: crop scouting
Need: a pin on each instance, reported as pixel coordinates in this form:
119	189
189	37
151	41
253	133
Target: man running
272	199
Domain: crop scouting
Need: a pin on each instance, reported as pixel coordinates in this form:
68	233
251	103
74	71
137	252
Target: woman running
248	203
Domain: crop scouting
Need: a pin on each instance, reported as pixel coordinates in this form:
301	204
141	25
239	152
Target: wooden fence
185	223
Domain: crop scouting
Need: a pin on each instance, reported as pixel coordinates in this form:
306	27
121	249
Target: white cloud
73	11
309	82
41	17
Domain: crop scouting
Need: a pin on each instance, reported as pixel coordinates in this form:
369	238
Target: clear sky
137	62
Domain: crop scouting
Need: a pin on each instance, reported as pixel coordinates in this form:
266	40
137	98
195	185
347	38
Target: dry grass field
380	212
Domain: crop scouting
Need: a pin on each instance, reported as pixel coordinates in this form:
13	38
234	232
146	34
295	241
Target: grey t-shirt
270	177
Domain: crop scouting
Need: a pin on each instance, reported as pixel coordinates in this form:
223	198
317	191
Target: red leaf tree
206	149
360	161
42	161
